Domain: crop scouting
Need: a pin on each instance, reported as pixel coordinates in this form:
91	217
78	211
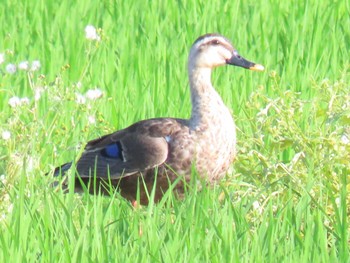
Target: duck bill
237	60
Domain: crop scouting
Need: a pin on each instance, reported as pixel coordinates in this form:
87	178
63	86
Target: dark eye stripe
214	41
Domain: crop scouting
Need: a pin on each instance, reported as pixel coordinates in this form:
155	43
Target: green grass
287	196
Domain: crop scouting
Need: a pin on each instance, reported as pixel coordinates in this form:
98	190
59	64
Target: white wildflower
91	120
11	68
2	58
14	101
3	179
256	205
344	139
337	202
80	99
35	65
94	94
91	33
24	65
6	135
37	93
78	84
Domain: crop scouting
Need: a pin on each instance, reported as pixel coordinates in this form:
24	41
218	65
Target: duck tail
61	170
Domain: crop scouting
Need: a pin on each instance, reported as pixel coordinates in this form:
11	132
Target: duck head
213	50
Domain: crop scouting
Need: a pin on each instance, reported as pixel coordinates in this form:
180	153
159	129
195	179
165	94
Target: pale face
210	51
213	50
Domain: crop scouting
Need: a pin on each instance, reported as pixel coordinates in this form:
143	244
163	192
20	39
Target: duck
155	153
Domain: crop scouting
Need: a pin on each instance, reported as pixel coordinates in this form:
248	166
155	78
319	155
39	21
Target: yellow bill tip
257	67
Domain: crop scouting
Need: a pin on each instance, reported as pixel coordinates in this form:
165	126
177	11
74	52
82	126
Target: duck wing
136	149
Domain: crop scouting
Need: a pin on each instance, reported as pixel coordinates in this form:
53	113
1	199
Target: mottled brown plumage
170	147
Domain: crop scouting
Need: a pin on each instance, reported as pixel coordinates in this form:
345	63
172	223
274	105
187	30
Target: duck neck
206	102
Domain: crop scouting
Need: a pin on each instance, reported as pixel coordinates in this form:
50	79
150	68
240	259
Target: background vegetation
287	196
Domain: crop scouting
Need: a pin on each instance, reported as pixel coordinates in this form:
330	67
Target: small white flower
6	135
14	101
11	68
80	99
78	84
24	65
94	94
91	120
37	93
256	205
3	180
337	202
35	65
91	33
2	58
344	139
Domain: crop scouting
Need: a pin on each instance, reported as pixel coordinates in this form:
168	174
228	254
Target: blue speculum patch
112	151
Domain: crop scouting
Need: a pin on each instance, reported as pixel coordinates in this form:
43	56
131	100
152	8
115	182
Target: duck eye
215	42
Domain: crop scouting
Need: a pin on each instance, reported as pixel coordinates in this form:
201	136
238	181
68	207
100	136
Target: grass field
287	198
